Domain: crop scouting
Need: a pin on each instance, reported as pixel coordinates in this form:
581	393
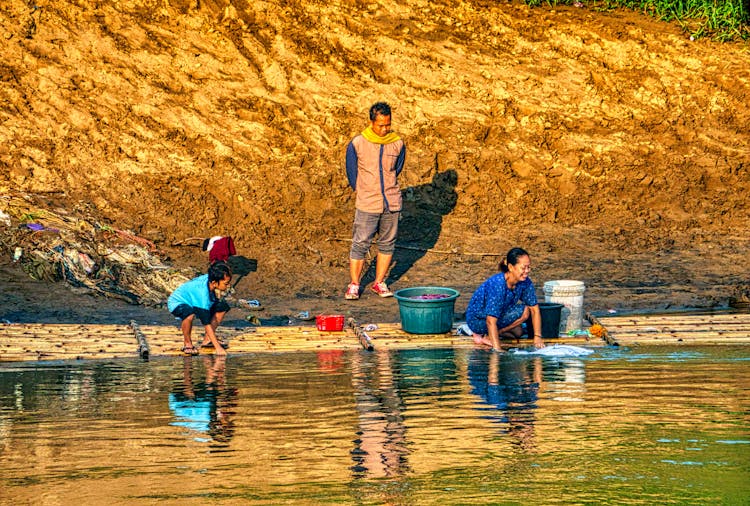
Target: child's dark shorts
184	310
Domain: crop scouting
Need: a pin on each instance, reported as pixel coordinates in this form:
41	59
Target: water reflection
387	427
202	402
509	387
566	379
426	373
380	446
331	361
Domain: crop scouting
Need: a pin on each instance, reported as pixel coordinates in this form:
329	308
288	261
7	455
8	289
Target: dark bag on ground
241	265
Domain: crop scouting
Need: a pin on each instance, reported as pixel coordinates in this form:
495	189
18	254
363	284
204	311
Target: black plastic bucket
551	314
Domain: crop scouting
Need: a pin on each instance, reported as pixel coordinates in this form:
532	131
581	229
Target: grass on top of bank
722	20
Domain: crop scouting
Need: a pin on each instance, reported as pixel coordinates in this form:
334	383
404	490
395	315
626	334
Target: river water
621	426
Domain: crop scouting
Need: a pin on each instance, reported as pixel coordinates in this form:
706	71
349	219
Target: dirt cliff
608	144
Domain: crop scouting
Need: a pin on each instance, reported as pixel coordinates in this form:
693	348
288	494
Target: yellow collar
371	136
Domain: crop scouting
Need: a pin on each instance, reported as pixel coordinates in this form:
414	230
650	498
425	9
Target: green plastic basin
426	316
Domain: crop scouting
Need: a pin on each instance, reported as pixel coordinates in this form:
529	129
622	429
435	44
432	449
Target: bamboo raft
50	342
676	328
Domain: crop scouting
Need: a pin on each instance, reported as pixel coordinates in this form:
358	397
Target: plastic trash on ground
464	330
253	304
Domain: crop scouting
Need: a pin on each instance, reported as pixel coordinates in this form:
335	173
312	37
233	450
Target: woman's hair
512	258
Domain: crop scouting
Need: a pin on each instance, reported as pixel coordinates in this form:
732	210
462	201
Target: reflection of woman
205	406
511	386
494	310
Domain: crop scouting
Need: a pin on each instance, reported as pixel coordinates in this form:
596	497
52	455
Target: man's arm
400	160
351	166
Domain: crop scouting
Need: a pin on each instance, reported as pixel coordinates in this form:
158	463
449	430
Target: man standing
374	159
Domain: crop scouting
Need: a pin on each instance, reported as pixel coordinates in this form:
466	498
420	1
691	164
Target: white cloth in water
557	350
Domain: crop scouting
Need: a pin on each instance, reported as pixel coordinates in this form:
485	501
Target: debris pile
54	245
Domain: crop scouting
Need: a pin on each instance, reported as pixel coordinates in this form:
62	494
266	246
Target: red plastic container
330	322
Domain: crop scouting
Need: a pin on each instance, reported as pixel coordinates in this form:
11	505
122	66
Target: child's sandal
190	350
223	344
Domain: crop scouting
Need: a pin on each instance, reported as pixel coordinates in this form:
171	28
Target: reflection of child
221	426
205	406
192	412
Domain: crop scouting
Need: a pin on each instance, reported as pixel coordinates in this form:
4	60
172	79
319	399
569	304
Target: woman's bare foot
480	340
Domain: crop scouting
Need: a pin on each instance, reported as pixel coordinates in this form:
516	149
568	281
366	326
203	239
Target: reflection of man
206	406
511	386
381	445
374	160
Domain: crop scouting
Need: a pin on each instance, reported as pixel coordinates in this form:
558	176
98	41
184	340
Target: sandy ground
607	144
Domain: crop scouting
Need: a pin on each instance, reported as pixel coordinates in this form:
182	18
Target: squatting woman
504	301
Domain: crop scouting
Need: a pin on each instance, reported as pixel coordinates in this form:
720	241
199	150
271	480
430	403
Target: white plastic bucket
569	293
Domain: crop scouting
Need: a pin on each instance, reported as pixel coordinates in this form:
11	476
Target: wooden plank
673	340
722	319
677	328
64	341
617	334
667	329
648	331
684	319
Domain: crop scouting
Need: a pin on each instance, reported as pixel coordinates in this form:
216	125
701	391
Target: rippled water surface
639	426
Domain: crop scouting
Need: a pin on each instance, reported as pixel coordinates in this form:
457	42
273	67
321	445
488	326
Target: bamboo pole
143	349
607	338
362	336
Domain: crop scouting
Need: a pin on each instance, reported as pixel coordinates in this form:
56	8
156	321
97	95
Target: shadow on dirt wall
420	225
